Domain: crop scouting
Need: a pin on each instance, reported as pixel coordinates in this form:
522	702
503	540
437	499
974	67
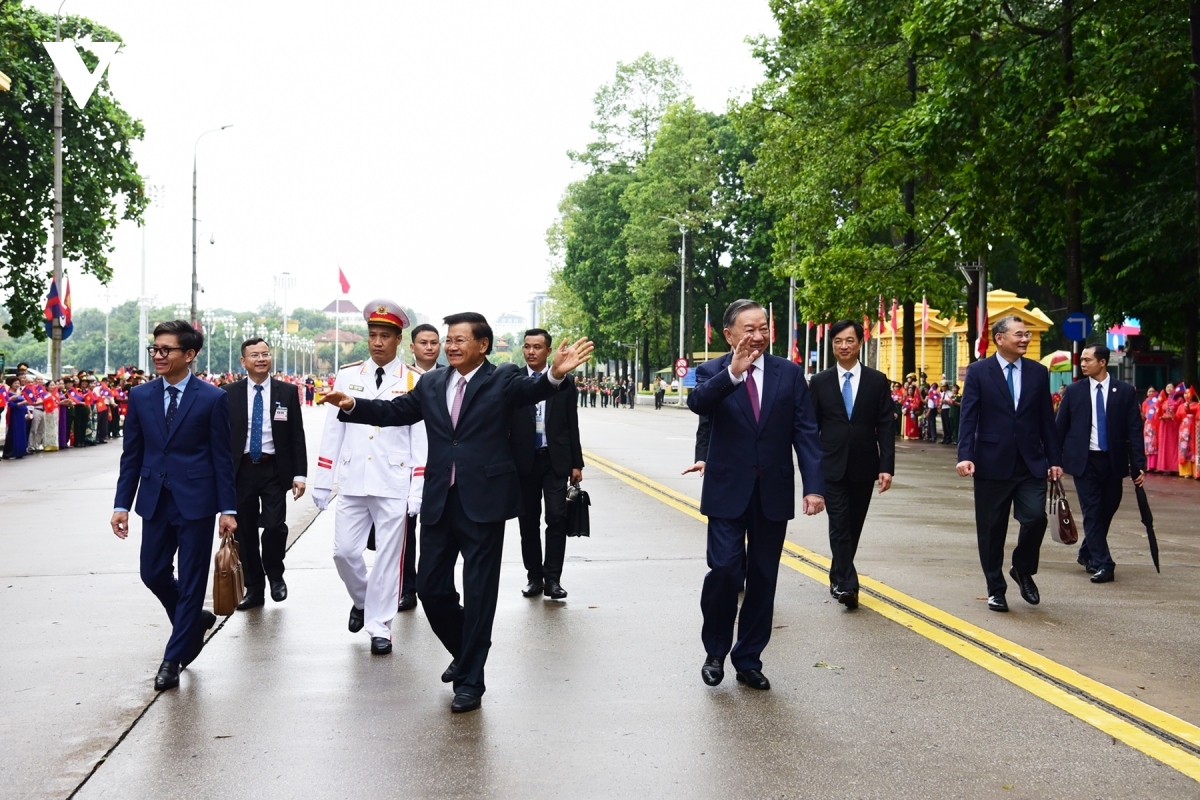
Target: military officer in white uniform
380	474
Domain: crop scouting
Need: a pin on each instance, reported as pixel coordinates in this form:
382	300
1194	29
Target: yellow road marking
916	615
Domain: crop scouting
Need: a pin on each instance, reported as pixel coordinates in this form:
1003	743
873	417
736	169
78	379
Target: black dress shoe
997	603
407	602
532	589
356	619
278	590
849	600
754	679
168	676
1104	576
380	646
464	702
203	625
1029	590
450	671
555	591
713	671
253	599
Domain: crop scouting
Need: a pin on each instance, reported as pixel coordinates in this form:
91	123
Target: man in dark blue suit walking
1007	441
177	461
759	410
1100	431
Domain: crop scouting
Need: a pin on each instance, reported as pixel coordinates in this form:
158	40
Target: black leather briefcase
578	521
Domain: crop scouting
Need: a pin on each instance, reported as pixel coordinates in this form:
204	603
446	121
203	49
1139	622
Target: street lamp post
247	330
210	320
230	326
55	323
682	283
195	282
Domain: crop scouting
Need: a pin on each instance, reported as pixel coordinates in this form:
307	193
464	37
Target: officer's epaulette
351	364
416	369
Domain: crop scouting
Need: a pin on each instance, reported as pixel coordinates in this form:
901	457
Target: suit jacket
703	434
1126	447
193	461
562	432
291	453
992	434
859	447
739	447
485	471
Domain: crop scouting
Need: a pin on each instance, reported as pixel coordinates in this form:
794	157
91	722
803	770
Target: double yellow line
1156	733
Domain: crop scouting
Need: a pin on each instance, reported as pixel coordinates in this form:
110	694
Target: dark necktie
1101	419
378	377
752	388
1012	387
256	426
173	406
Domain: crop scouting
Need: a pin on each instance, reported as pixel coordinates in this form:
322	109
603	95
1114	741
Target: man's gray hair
1003	324
735	308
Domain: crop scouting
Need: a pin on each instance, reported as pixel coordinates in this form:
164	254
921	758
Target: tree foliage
101	184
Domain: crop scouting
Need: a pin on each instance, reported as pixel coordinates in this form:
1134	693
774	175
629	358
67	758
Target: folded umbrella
1148	521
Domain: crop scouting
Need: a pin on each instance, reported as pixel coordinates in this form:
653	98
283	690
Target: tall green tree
101	184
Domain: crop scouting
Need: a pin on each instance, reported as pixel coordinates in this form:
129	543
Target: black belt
263	458
542	449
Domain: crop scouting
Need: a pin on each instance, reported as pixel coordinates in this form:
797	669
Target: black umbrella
1148	521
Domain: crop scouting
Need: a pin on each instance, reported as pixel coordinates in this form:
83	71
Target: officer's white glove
321	498
415	490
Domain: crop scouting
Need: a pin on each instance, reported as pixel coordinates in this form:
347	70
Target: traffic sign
681	372
1077	326
681	362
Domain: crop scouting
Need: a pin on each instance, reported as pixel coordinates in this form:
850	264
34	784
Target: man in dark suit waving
545	445
269	458
1007	441
176	460
853	406
1100	430
471	484
759	410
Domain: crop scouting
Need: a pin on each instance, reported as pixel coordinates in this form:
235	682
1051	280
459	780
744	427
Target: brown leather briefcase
1058	513
228	585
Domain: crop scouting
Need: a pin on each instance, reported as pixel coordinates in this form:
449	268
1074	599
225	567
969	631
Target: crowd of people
610	392
919	407
85	409
1169	430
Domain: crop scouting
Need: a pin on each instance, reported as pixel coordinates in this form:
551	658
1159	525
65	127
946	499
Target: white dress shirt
452	384
758	376
268	437
268	440
539	413
1016	374
181	386
1094	440
855	378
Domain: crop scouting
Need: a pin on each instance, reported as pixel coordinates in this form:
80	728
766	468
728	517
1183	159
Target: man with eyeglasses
380	474
177	461
472	486
269	458
1008	442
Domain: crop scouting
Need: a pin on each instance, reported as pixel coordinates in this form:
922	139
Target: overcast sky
420	146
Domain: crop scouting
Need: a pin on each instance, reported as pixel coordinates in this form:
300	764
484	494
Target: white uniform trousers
377	594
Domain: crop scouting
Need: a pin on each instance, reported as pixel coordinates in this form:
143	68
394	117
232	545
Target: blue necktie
1012	387
1101	419
256	423
173	406
848	395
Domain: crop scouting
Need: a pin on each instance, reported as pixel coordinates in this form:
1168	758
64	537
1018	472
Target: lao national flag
54	309
342	280
68	325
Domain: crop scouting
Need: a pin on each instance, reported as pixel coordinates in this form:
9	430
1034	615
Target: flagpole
337	322
707	331
924	324
893	365
792	318
771	327
806	329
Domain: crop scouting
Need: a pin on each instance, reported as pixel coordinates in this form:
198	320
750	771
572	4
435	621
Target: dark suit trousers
408	578
759	541
1025	495
162	535
541	483
261	499
1099	490
846	503
466	630
101	424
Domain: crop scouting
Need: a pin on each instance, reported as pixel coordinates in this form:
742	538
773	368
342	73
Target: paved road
597	696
